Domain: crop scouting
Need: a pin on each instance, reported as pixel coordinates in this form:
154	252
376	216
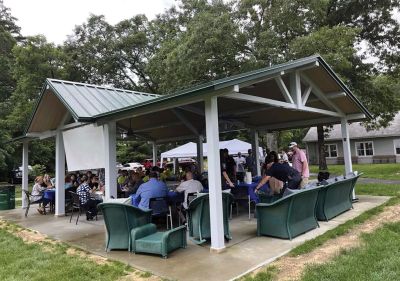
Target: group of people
41	184
152	184
281	175
84	184
275	170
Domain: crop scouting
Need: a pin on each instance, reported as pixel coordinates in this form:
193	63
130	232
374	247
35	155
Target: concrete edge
260	265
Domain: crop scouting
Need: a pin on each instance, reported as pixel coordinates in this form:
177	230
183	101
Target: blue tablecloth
251	188
50	194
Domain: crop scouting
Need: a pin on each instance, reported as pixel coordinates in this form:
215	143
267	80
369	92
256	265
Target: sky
57	18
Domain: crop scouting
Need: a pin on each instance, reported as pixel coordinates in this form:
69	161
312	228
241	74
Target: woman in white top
37	193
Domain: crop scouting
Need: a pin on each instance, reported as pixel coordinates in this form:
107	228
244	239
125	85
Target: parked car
132	166
182	163
148	163
16	175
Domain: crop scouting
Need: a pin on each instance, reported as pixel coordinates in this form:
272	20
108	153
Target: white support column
256	153
60	175
346	149
200	154
110	159
214	175
154	154
24	172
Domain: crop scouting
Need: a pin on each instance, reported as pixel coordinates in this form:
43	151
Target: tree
9	36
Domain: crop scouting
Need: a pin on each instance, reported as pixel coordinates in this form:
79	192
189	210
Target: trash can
7	197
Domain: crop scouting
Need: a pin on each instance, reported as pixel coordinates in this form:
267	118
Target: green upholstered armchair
336	197
119	220
199	217
146	239
289	216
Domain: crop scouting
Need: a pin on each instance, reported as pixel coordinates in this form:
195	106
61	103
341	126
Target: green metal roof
84	101
241	78
90	103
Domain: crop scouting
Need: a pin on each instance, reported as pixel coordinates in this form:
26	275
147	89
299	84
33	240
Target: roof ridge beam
282	87
261	100
185	121
306	95
320	94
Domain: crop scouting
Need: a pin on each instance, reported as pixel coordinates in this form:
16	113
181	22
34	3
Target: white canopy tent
190	149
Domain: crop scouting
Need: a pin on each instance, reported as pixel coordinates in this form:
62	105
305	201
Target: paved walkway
243	254
378	181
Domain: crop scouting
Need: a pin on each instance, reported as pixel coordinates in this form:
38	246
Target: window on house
331	150
397	146
365	148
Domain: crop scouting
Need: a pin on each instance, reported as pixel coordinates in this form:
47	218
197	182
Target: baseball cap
292	144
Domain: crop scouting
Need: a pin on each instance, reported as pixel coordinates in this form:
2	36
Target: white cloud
57	19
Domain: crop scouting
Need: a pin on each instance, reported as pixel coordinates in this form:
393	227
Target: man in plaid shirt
90	204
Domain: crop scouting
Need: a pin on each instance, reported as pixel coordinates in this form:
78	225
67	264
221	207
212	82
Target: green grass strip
361	189
377	259
48	262
377	171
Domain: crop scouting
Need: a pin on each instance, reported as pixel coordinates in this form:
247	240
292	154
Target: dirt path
291	268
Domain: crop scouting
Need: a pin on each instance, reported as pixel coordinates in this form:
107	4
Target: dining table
251	189
50	195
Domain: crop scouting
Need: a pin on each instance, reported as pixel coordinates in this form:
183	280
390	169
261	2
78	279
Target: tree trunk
323	167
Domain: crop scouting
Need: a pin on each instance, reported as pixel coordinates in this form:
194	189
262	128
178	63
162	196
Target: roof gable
82	101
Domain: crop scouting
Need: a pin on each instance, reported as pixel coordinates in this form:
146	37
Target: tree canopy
197	41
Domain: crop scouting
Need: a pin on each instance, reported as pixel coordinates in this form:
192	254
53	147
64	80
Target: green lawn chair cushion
119	220
199	217
289	216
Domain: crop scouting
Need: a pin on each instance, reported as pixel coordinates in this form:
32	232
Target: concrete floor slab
244	253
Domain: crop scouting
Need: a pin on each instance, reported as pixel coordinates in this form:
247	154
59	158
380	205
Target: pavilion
300	93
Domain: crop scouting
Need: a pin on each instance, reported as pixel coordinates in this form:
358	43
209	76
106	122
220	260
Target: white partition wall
214	175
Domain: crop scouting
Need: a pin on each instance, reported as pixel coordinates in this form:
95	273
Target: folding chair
160	207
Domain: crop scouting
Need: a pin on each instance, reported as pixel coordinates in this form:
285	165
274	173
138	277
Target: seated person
68	182
47	181
274	184
133	184
86	201
37	194
146	176
189	186
151	189
284	173
74	181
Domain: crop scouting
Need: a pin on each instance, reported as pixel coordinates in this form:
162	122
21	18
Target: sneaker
40	211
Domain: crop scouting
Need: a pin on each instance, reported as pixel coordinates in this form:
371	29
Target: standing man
251	163
240	163
299	162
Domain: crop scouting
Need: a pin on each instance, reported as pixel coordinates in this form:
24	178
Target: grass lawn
377	259
376	171
369	256
21	261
